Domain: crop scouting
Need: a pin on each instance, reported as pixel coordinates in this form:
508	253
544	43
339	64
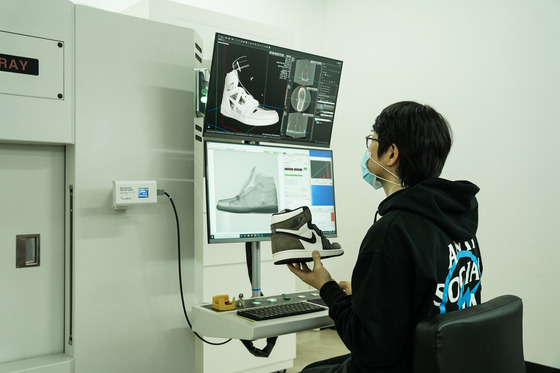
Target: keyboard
279	310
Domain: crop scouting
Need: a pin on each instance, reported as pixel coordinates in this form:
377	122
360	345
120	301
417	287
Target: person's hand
346	286
315	277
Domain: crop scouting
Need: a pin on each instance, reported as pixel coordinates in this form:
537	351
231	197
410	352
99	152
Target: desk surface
226	324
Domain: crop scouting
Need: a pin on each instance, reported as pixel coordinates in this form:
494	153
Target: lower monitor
247	183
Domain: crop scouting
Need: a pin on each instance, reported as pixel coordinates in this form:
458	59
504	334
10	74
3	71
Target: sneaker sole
302	256
245	120
250	210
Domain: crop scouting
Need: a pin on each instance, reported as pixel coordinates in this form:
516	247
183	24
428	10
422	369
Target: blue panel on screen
322	195
320	153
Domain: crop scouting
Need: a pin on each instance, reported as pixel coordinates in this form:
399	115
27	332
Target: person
419	258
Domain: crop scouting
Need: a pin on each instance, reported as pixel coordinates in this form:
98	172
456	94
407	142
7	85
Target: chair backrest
483	338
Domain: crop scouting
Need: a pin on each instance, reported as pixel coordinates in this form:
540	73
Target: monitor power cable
162	192
271	341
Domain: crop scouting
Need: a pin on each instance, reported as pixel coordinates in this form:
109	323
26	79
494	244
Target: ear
393	155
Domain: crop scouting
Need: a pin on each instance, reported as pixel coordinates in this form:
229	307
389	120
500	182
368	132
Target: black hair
422	136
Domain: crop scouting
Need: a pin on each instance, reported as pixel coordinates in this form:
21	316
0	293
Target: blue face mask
367	175
372	179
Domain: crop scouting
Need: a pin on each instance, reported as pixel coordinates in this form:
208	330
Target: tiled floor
315	345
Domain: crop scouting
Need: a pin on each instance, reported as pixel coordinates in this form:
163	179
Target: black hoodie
421	258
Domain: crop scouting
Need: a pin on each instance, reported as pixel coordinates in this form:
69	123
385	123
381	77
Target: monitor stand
255	269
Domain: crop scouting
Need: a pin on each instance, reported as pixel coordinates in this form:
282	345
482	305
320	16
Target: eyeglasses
369	140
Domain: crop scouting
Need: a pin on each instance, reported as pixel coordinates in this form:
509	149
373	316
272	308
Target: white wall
493	69
302	19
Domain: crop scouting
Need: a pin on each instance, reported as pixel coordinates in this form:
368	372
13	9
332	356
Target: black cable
271	341
181	277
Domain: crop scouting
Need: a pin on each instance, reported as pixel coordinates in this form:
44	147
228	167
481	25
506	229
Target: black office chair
483	338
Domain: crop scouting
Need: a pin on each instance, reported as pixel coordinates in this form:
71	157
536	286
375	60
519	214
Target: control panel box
129	193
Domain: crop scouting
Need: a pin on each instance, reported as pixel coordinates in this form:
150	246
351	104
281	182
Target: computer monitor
262	92
246	184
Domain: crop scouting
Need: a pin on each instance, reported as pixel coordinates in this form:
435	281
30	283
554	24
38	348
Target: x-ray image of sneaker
301	99
258	195
239	104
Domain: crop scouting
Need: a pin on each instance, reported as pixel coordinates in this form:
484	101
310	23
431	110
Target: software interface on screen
246	184
259	91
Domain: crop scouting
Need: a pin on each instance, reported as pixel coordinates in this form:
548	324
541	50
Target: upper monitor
261	92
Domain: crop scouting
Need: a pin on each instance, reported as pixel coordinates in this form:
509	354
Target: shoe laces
239	95
242	95
243	98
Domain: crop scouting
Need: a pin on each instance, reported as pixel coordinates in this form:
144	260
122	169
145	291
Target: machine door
31	251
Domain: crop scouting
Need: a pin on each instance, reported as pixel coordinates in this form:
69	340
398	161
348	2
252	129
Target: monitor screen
246	184
266	93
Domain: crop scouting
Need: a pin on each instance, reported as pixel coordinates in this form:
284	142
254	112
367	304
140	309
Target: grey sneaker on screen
258	195
294	237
